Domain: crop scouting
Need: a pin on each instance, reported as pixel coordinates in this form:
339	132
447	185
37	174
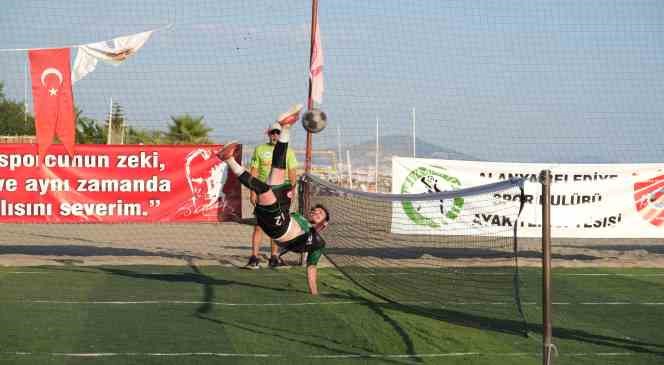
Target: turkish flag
52	98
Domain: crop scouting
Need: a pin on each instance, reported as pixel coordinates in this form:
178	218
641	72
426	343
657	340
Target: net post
310	101
545	180
310	104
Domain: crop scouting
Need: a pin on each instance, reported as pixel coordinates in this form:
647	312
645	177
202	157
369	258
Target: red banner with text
117	184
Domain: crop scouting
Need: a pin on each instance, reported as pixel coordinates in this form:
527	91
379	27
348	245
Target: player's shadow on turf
407	340
208	289
195	277
206	306
512	326
84	251
207	302
326	343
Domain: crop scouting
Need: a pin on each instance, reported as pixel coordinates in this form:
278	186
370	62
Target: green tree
183	129
88	130
145	136
13	118
186	129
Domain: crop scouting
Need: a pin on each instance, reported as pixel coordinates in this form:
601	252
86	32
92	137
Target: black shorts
281	193
272	219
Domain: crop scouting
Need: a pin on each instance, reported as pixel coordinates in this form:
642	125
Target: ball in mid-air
314	120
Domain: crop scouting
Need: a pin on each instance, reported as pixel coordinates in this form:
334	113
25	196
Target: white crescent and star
52	91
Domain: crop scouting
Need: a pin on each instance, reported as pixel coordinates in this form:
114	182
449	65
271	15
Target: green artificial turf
206	315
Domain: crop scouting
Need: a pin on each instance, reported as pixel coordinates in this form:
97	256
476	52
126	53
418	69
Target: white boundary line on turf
404	273
117	302
596	303
264	274
621	303
510	274
301	304
331	356
607	274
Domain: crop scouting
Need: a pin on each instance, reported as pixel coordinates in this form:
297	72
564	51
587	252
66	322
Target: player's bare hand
253	198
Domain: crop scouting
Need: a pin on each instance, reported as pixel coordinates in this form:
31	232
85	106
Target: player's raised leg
265	194
278	168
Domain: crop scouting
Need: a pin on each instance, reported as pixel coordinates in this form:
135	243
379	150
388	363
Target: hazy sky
532	81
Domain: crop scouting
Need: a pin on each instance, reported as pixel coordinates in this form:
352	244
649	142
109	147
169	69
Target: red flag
52	98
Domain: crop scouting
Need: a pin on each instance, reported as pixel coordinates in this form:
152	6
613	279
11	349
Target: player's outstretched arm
312	276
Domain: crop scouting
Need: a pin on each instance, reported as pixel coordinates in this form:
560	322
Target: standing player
291	231
261	162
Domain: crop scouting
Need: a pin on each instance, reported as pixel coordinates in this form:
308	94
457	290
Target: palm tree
146	136
187	129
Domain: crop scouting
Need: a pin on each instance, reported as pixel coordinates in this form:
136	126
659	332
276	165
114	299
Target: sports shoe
274	262
291	116
253	263
228	150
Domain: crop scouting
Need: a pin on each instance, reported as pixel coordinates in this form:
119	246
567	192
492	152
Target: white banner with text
587	200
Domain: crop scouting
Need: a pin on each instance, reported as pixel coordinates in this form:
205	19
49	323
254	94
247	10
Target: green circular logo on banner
431	179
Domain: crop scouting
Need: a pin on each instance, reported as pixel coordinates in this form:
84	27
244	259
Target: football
314	120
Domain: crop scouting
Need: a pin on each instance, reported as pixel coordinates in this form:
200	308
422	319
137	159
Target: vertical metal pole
350	173
414	139
110	123
25	100
545	179
340	164
377	148
310	102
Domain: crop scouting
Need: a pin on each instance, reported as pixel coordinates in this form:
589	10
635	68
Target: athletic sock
235	167
284	136
253	183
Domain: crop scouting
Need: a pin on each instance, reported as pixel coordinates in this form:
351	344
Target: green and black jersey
309	242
